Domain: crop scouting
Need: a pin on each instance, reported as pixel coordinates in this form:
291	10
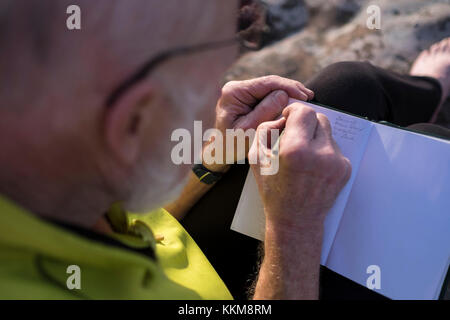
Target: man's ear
123	122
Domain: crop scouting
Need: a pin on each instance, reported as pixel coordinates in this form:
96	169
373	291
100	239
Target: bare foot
435	63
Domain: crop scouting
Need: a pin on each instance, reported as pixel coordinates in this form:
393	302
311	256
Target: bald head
71	156
38	50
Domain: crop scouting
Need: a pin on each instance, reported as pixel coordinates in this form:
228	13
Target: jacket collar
21	229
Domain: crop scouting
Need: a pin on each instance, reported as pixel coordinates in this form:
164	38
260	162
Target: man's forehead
115	37
189	21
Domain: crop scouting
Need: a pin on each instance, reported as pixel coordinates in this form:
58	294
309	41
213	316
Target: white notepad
394	212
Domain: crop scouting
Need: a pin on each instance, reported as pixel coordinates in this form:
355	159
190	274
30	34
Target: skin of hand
312	172
246	104
242	105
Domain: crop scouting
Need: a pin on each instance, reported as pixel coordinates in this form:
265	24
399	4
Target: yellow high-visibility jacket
36	258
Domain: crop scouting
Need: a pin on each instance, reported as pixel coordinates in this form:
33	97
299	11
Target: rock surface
284	17
336	30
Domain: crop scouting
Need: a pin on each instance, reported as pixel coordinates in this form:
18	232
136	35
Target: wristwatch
205	175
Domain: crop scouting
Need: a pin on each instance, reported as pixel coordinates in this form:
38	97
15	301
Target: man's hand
312	169
312	172
242	105
246	104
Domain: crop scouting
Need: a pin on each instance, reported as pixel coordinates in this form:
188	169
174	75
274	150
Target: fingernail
279	95
305	96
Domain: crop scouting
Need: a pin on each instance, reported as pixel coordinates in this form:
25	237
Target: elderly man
85	126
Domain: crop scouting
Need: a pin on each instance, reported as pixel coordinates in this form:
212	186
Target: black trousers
355	87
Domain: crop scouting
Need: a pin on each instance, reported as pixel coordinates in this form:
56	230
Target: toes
443	45
435	47
446	44
424	54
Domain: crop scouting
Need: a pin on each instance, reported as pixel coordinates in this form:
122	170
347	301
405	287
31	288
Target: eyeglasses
248	39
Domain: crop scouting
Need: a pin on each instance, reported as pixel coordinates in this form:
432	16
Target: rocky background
304	36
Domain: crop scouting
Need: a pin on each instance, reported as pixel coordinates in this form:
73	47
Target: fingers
250	92
301	123
323	131
264	130
308	92
325	142
268	109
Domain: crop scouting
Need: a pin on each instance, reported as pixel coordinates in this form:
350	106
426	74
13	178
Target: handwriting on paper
346	128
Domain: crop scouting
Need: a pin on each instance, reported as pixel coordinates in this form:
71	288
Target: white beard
154	194
156	187
158	184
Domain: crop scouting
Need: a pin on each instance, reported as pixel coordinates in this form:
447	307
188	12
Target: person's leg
378	94
431	129
365	90
435	63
